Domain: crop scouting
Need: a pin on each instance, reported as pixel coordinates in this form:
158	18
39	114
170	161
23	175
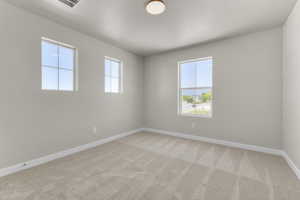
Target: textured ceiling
125	23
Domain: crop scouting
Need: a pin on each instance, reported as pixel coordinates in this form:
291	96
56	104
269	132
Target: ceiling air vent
70	3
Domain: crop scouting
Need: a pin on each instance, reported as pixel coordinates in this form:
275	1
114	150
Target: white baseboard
48	158
216	141
278	152
291	164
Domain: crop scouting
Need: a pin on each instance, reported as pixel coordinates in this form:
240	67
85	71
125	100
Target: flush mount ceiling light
155	7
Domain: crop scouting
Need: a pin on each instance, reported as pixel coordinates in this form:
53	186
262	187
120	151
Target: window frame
121	90
179	89
75	61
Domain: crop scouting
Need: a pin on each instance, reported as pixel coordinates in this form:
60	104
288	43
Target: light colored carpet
148	166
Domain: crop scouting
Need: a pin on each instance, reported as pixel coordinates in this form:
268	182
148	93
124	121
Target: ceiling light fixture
155	7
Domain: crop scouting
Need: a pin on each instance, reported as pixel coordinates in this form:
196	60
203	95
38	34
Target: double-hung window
195	87
113	75
58	66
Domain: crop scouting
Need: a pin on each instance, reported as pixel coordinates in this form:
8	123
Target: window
58	66
113	75
195	87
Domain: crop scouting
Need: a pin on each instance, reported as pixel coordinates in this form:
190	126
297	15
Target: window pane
112	76
115	69
189	75
196	101
196	74
107	67
49	78
49	54
204	73
115	85
107	84
66	80
66	58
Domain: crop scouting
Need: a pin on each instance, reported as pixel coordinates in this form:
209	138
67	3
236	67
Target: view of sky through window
112	76
57	67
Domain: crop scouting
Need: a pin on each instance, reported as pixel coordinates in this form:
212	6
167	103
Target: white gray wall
291	89
247	75
34	123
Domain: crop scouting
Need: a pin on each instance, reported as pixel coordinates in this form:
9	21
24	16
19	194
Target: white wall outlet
94	129
193	125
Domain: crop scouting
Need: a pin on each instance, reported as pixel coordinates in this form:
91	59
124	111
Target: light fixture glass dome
155	7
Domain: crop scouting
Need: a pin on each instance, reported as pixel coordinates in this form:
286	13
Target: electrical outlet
193	125
94	129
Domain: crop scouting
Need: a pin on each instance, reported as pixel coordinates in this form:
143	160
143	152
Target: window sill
195	116
113	93
58	91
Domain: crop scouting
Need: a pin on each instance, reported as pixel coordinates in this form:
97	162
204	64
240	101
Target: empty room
149	100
